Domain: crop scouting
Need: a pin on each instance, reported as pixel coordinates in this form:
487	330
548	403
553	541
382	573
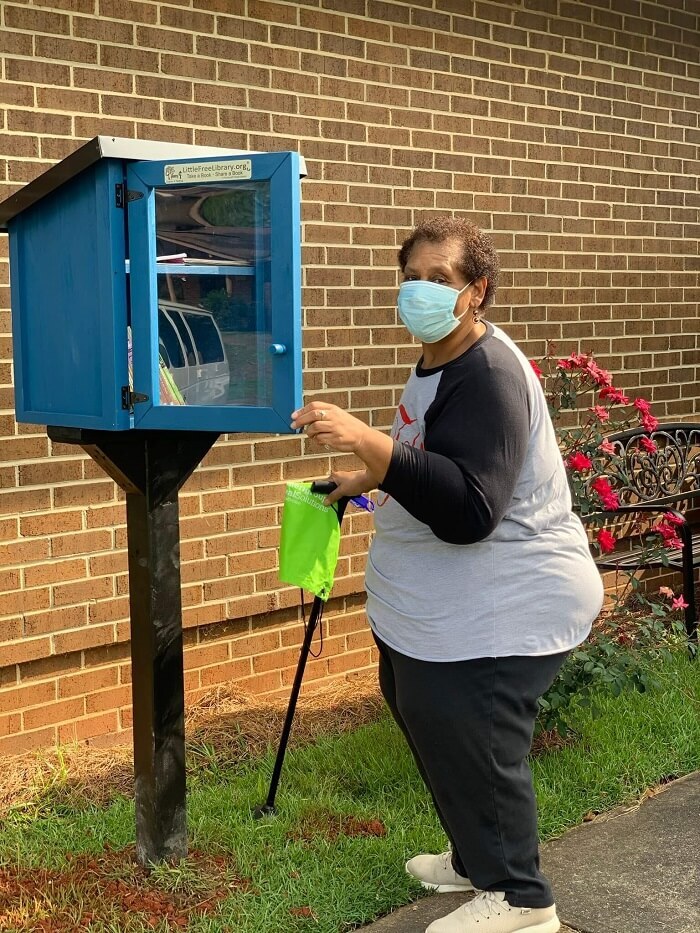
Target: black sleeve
476	437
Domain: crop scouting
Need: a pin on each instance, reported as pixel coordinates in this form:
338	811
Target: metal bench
666	480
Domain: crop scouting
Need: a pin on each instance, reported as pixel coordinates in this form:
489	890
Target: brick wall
569	129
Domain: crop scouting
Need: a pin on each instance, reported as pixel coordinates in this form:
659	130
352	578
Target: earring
475	315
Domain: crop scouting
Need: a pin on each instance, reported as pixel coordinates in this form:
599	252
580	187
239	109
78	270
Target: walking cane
315	616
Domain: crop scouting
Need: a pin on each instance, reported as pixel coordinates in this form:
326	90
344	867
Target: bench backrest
668	476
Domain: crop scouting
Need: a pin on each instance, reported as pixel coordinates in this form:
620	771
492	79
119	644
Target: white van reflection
191	347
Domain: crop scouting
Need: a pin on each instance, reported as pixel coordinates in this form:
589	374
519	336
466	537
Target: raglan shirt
476	551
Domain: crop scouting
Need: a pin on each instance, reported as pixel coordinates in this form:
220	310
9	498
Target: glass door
214	270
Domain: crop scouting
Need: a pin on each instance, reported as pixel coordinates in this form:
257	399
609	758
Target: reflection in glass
214	318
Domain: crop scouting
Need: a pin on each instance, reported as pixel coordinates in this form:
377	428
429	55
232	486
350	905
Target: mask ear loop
460	316
475	311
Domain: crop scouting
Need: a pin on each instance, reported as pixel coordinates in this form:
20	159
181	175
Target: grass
351	810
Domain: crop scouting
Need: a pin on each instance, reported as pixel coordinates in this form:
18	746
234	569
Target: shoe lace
485	905
446	860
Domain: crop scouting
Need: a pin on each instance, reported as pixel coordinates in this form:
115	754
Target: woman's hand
349	483
332	427
335	429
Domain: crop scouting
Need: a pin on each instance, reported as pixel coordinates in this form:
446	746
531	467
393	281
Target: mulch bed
110	887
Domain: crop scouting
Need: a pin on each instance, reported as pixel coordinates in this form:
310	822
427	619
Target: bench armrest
630	509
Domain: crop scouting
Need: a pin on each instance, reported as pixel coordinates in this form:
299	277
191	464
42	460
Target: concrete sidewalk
634	870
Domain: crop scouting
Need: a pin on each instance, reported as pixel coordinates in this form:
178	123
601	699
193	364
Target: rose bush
636	628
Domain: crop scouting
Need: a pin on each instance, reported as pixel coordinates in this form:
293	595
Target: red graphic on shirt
403	429
406	430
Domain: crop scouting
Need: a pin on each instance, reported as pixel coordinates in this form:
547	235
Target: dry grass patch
227	725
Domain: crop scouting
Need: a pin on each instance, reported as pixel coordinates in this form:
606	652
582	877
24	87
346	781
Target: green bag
309	541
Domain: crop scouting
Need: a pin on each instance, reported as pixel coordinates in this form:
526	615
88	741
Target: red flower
677	602
578	462
642	405
573	361
536	369
606	541
602	414
649	422
607	447
668	532
614	396
587	365
601	377
673	519
606	493
648	445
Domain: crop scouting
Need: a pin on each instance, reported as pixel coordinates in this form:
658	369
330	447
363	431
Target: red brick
275	659
224	673
17	44
8	528
100	701
108	610
85	27
106	517
89	636
104	79
316	669
9	580
54	620
23	601
37	21
65	49
24	551
18	699
261	683
128	10
27	742
9	725
86	682
195	616
83	494
84	729
52	713
54	572
111	562
200	656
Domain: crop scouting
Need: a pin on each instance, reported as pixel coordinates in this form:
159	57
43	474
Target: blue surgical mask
427	309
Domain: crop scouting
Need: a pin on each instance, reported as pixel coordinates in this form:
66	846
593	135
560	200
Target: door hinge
122	194
131	398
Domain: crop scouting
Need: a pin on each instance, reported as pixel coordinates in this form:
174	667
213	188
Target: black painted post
157	670
151	466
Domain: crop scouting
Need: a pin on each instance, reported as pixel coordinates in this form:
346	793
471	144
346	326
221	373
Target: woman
479	579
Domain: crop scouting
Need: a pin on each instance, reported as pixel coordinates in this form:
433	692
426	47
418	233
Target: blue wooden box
157	286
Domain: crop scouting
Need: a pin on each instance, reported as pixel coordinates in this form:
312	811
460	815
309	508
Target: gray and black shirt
477	552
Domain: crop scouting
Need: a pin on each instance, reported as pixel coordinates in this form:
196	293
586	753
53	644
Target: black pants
469	725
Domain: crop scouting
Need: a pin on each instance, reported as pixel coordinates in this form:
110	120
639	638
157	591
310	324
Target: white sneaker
435	872
490	912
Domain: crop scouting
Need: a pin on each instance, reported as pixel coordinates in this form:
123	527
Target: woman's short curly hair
479	258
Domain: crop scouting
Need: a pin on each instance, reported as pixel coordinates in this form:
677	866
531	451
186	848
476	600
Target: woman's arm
336	429
476	439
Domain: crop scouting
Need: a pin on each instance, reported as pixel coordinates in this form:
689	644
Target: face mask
427	309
